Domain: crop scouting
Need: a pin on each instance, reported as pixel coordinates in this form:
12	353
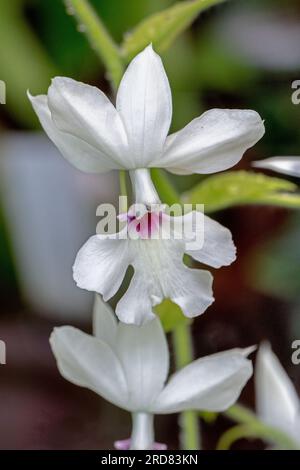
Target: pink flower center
146	225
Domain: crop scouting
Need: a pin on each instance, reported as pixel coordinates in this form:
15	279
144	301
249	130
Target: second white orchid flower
128	366
154	245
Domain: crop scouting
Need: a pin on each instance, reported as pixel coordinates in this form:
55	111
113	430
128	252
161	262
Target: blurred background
242	54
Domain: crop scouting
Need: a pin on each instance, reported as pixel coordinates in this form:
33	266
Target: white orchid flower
128	366
154	245
285	165
97	137
277	402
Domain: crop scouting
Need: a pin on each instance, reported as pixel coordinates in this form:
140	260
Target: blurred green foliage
276	266
235	188
163	27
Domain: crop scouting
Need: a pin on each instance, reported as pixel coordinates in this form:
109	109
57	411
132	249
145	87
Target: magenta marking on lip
146	225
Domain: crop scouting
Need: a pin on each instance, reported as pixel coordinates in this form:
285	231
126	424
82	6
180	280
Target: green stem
122	182
183	346
256	430
190	437
251	427
99	38
240	414
165	189
123	191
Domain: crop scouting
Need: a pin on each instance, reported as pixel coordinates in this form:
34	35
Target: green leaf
170	315
162	28
235	188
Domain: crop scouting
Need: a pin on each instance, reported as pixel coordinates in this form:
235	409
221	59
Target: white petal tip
54	336
149	52
34	98
247	351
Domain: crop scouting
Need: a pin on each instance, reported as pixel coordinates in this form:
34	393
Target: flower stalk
142	437
143	188
190	434
252	427
256	430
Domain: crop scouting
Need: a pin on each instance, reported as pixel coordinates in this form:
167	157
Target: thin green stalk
166	190
256	430
183	345
240	414
190	437
252	427
122	182
123	191
99	38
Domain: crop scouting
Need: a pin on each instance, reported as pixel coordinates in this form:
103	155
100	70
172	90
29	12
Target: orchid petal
101	264
104	322
216	249
88	362
143	352
85	112
211	383
135	307
78	152
277	402
160	273
212	142
145	105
